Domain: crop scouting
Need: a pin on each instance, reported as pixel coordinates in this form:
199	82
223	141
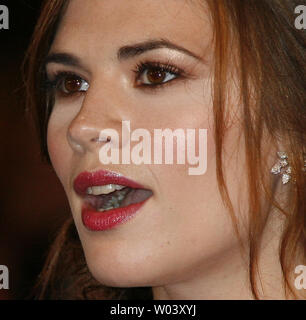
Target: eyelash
147	65
54	84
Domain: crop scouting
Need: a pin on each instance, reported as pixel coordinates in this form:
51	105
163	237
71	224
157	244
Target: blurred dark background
32	201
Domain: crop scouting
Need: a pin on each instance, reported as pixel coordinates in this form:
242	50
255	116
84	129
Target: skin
182	241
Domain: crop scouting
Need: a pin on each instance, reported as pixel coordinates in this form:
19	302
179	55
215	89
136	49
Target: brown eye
156	76
151	76
71	84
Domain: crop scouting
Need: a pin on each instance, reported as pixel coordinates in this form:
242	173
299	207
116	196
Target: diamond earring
282	167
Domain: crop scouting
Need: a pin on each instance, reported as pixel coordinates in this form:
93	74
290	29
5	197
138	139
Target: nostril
101	139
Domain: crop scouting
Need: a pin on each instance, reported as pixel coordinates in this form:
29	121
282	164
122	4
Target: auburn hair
271	69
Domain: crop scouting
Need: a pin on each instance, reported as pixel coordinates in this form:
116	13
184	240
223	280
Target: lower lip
98	221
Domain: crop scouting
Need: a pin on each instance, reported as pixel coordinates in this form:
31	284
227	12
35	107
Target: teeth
112	203
106	189
118	187
105	209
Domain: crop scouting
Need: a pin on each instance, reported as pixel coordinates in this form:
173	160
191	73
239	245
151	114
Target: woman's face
183	230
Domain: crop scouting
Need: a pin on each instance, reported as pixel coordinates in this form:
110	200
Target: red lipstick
96	220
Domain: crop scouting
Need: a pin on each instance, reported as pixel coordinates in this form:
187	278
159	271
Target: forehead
102	25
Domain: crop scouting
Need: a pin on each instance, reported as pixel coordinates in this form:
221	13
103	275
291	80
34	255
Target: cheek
191	204
195	201
58	148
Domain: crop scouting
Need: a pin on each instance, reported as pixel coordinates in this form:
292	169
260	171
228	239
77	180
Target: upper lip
100	178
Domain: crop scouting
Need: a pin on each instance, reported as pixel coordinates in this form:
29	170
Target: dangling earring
282	167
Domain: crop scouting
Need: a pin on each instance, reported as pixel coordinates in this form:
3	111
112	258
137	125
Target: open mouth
111	196
108	198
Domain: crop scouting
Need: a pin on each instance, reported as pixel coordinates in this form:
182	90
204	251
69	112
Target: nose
86	132
84	135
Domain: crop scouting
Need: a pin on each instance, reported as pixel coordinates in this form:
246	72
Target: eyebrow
66	59
131	51
124	53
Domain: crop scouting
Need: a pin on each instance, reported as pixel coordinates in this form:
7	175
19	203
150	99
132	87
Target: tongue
136	196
